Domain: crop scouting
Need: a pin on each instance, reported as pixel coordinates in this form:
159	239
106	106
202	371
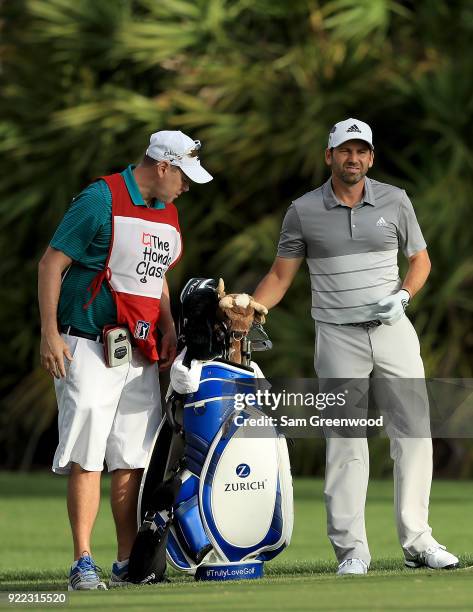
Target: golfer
105	267
349	230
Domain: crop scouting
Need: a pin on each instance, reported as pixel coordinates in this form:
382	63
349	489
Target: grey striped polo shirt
351	252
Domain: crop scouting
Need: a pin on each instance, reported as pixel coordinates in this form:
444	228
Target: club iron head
259	338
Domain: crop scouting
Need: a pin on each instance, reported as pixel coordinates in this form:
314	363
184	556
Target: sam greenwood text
313	421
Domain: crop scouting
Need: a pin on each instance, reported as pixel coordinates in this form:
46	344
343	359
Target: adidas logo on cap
350	129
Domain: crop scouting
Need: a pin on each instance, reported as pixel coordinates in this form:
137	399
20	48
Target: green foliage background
260	82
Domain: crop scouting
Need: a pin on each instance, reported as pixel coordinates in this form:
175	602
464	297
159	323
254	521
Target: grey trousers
384	352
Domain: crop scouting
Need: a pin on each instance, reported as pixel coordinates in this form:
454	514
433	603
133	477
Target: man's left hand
167	348
391	308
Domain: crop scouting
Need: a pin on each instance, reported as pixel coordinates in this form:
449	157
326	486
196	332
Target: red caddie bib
145	243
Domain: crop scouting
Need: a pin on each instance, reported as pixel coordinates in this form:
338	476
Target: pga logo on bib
142	330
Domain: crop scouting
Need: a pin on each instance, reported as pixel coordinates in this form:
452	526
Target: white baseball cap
179	150
350	129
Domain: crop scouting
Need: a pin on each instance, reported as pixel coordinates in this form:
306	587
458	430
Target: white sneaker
435	557
352	566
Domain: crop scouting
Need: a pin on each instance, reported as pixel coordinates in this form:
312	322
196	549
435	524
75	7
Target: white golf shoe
352	566
435	557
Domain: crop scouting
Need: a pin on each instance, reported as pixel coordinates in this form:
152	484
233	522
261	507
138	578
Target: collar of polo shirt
331	200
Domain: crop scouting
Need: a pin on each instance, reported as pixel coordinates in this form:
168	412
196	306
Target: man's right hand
53	349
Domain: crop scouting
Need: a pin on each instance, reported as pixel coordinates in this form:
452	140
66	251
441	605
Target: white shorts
109	414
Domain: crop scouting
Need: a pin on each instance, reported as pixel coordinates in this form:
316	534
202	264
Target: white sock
121	564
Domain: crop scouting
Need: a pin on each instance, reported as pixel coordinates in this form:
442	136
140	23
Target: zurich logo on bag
243	470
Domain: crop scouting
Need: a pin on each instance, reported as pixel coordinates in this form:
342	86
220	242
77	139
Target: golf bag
216	496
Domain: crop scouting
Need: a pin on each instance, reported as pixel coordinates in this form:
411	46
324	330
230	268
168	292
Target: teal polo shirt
84	235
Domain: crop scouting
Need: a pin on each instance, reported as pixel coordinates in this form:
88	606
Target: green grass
36	552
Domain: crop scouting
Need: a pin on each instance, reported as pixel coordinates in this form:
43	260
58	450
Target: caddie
350	230
103	298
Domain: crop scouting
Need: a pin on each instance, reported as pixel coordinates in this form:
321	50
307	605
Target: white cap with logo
350	129
179	150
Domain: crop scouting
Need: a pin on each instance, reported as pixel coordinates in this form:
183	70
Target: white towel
183	379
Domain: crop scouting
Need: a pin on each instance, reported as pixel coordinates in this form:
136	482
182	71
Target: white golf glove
391	308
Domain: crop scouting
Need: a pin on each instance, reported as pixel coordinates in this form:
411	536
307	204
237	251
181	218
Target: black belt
365	324
72	331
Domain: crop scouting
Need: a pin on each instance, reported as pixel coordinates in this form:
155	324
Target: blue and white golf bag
234	507
217	490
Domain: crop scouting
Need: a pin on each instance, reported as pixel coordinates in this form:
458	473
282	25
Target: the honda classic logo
156	257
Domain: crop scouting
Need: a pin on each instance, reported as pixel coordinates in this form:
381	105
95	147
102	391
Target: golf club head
259	338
